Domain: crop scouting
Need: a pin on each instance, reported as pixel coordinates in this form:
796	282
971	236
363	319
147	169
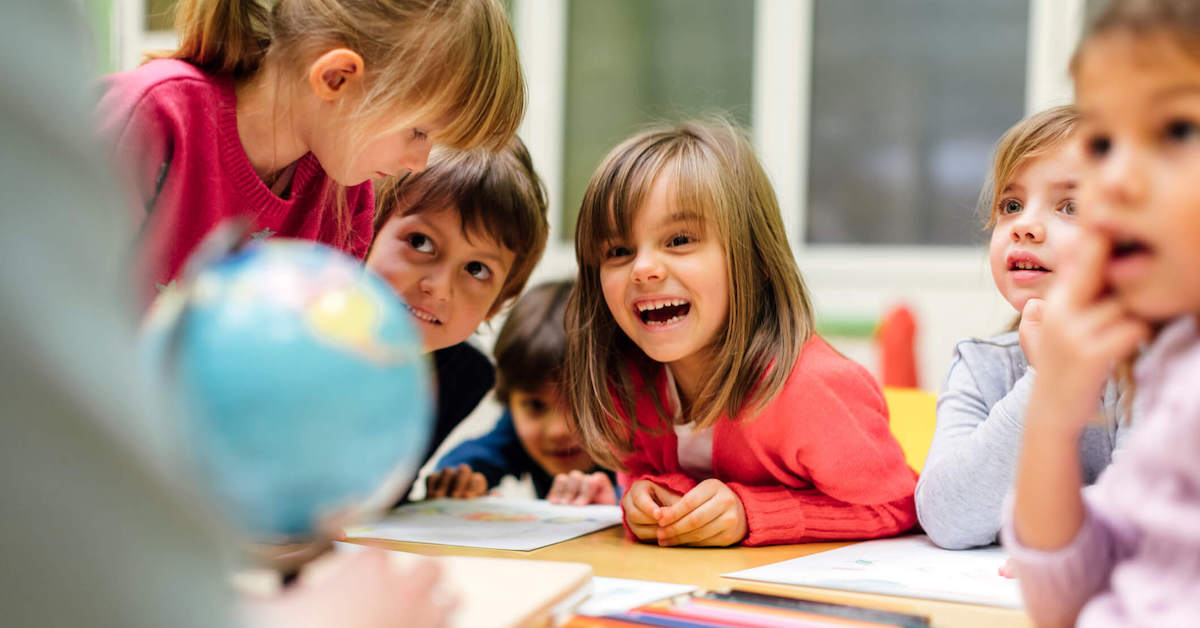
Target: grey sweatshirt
972	461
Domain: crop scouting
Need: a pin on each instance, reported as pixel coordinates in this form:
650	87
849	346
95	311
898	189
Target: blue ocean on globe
304	388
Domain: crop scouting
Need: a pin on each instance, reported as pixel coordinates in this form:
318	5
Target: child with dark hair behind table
534	434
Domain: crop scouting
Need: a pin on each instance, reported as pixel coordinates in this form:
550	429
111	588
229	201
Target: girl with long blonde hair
282	112
694	368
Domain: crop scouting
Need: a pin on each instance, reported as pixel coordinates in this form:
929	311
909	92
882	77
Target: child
1126	552
534	434
694	366
981	409
458	242
283	114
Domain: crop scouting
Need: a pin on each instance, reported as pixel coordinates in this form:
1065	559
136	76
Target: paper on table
616	595
910	566
489	522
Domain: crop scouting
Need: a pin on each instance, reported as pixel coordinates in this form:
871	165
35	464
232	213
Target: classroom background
875	121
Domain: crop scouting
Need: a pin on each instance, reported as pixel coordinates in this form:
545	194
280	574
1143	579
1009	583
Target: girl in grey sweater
981	409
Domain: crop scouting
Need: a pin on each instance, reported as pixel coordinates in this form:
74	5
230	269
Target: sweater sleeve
831	428
778	514
495	454
1056	584
972	461
138	136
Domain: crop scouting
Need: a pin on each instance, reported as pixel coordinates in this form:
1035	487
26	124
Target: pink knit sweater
1136	561
173	132
818	463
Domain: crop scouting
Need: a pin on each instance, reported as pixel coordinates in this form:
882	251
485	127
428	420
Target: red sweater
173	133
819	463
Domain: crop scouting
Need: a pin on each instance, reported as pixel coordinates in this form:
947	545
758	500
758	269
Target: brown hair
532	346
423	58
499	195
1180	19
713	170
1025	141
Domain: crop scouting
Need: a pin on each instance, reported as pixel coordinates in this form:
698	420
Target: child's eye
420	242
681	240
479	270
1010	206
1180	131
419	135
535	406
617	251
1067	207
1098	146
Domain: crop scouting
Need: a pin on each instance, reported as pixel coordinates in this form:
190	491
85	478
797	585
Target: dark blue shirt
499	453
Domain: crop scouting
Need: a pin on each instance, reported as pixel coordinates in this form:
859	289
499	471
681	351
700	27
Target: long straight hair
713	170
421	59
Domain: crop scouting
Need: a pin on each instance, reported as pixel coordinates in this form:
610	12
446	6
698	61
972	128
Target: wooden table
611	554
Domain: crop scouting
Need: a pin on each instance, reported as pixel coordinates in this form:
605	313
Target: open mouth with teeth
663	312
1028	266
422	316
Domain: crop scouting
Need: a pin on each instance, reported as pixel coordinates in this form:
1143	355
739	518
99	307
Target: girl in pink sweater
1127	551
693	366
282	112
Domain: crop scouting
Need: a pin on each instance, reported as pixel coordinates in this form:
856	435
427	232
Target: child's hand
1030	330
457	482
1084	334
364	591
642	504
579	489
710	515
1008	569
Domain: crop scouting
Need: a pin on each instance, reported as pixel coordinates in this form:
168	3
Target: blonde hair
424	58
712	169
1025	141
498	194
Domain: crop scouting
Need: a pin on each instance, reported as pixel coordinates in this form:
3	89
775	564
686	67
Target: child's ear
334	72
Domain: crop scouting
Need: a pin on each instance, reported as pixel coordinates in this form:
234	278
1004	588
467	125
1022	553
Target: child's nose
436	284
1122	180
1028	228
647	267
416	157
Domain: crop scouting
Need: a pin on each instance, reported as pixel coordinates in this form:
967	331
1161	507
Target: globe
302	388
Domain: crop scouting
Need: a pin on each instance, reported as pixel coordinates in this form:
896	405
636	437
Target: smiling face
449	281
1140	100
666	283
541	421
1035	225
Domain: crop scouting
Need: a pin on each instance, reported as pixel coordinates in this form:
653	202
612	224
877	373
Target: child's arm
492	456
829	427
1063	552
972	461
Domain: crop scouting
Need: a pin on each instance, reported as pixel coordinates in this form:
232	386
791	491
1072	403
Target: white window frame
949	287
946	285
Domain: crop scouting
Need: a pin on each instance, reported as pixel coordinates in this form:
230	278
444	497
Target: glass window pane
908	97
160	15
630	62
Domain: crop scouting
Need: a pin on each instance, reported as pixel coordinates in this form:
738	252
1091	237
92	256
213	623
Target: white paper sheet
617	595
489	522
910	566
